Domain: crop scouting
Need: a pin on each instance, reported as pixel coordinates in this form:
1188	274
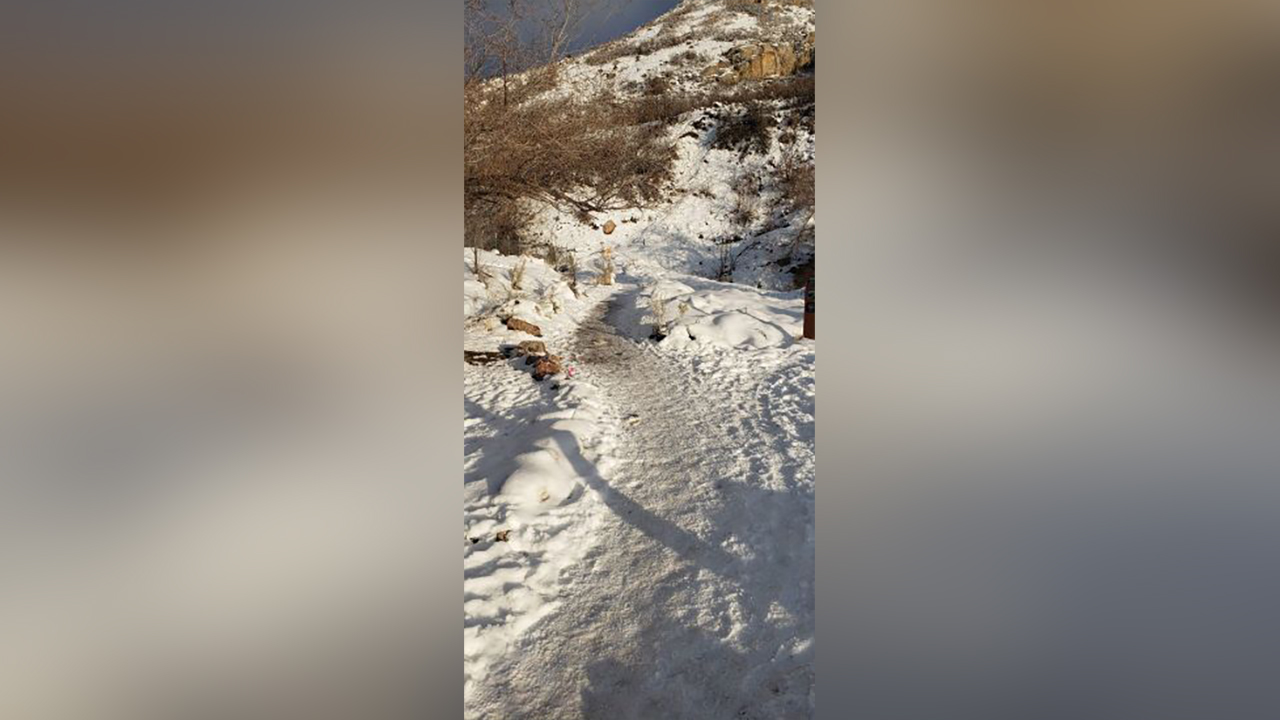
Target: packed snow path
696	599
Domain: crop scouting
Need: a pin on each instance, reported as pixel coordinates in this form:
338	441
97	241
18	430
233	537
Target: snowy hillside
704	55
639	404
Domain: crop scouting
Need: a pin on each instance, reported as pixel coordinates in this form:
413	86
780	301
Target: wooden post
808	307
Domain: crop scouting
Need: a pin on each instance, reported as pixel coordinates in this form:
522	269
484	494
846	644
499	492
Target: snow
691	539
729	316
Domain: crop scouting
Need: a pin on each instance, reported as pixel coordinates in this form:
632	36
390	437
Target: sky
630	15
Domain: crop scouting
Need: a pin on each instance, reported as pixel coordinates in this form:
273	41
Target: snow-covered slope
728	193
638	528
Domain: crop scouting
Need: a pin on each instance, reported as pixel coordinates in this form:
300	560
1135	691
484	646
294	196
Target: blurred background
218	225
1047	454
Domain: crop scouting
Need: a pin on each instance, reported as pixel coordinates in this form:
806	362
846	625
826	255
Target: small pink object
569	371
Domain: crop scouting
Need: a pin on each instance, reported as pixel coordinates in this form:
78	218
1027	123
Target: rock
546	367
482	357
532	347
609	227
534	359
755	61
519	325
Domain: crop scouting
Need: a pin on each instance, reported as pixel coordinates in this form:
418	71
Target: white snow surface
660	506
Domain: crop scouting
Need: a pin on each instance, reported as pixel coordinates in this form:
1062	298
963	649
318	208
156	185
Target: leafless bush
658	85
565	262
664	108
746	196
496	222
793	91
586	156
747	130
797	92
724	269
796	180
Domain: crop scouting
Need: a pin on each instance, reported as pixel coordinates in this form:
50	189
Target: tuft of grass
605	277
658	305
517	273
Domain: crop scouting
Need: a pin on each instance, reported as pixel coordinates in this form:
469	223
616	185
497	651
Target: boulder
609	227
532	347
756	61
547	366
515	323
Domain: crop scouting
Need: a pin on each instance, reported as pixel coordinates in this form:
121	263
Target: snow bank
543	291
550	474
720	315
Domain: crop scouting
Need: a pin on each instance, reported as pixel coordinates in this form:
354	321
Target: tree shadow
744	664
680	541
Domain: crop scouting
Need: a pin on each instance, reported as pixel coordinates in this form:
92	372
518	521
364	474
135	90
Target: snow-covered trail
695	600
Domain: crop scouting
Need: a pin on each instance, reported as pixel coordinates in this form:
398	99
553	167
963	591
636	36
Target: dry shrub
564	261
746	197
746	130
727	260
796	180
496	222
792	91
664	108
584	156
658	85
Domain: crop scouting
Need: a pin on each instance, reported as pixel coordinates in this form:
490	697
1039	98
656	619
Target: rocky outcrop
759	60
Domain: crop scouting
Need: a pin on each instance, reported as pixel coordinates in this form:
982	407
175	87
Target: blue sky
631	15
